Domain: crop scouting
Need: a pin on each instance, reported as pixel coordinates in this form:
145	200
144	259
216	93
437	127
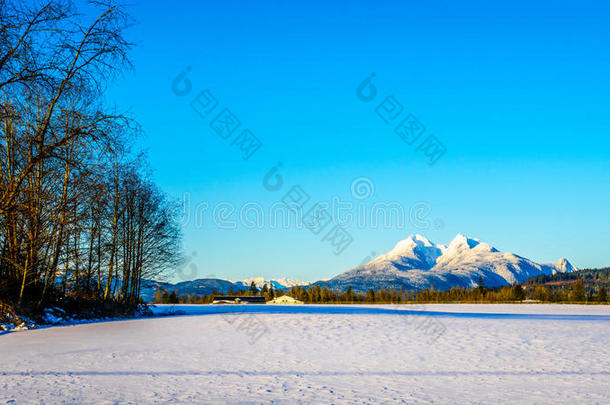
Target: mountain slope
416	263
206	286
201	286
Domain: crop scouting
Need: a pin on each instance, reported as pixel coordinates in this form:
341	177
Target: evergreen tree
325	295
309	296
349	294
482	289
173	298
253	288
578	292
518	293
317	292
370	296
602	294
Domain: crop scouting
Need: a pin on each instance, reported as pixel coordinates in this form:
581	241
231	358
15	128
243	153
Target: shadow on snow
358	310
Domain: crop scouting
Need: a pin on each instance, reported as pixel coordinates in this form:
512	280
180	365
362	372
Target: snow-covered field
318	354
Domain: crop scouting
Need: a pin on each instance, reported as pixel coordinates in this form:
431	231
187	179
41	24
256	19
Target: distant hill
206	286
559	287
202	286
592	279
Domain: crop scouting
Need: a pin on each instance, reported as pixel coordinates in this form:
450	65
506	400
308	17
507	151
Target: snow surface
318	354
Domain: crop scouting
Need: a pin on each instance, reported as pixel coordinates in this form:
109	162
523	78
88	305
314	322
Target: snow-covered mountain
416	263
564	266
278	283
413	264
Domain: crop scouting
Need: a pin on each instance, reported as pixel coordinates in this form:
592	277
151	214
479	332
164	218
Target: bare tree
78	215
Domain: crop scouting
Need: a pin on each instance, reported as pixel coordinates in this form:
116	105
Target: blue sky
517	93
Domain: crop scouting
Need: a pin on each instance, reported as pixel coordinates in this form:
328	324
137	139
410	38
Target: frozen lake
286	354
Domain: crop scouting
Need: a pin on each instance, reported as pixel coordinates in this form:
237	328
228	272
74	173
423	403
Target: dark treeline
80	217
323	295
574	293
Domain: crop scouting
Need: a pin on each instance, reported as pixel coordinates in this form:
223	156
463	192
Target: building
238	300
284	300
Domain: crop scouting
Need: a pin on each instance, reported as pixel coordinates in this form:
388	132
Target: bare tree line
79	214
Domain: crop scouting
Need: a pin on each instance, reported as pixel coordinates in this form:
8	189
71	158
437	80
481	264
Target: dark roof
249	299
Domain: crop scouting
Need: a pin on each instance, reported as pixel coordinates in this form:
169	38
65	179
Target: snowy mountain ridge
417	263
279	283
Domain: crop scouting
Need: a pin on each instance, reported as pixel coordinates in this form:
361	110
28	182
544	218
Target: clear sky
517	92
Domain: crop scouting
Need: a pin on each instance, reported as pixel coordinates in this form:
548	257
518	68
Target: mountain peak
419	238
406	246
277	283
417	263
414	251
462	241
564	266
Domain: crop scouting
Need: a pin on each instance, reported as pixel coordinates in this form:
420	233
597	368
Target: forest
573	292
81	220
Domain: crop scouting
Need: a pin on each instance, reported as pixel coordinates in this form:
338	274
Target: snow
564	266
416	263
462	242
418	251
318	354
278	283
